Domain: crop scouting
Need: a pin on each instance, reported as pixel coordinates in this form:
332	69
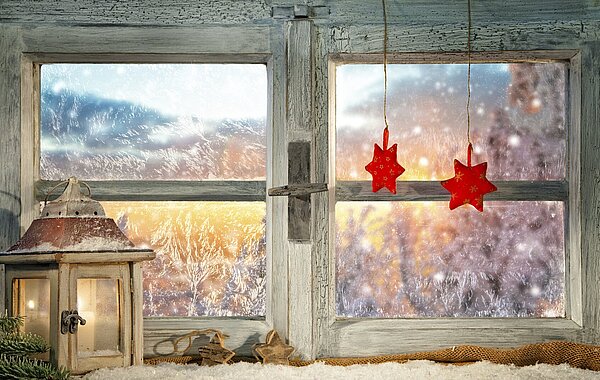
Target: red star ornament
469	185
385	167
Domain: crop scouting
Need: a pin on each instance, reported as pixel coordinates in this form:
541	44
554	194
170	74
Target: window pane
419	259
211	256
153	121
517	119
98	302
32	301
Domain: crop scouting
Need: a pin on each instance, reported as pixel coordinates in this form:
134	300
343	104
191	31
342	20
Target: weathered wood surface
590	185
322	259
137	12
10	207
299	75
299	207
3	283
79	257
187	12
433	191
354	26
380	337
573	270
137	313
277	170
299	118
216	39
166	190
301	304
160	333
297	190
567	35
540	56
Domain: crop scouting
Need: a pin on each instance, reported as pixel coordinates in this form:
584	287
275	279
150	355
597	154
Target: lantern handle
67	182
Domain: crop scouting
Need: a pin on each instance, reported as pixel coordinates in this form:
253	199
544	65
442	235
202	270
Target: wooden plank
216	39
301	323
161	333
3	286
299	207
297	190
540	56
427	12
322	264
590	185
299	75
299	118
67	300
165	190
187	58
384	337
277	170
137	316
190	13
10	189
433	191
30	93
79	257
444	38
573	272
130	13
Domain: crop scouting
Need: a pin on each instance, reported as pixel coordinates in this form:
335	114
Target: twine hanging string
469	80
193	334
386	132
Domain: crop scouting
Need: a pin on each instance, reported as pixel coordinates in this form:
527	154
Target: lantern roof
73	223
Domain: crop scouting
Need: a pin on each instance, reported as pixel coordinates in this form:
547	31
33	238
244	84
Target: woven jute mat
577	355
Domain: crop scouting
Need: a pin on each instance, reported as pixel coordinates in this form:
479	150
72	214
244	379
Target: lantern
77	280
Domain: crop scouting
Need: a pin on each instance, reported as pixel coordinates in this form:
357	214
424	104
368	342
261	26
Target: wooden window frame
346	336
239	44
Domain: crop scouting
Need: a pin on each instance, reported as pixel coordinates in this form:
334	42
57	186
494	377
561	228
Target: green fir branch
10	325
14	367
23	344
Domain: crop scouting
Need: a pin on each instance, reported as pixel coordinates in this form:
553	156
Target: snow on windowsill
412	370
87	245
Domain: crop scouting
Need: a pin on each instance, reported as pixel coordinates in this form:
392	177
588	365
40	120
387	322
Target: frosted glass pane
419	259
211	256
517	119
153	121
98	302
32	301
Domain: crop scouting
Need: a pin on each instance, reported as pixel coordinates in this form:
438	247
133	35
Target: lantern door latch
69	321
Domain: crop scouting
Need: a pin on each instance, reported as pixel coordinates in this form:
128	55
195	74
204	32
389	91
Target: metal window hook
69	321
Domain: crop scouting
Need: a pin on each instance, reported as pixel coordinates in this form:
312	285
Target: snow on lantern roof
73	222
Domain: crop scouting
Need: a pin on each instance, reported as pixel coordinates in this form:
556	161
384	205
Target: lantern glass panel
98	302
32	300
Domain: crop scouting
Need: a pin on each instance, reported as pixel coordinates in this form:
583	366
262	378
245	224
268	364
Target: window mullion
167	190
433	191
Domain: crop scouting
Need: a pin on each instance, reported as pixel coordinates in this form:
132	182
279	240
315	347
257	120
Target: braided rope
577	355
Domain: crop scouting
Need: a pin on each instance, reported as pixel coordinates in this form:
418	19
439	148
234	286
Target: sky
207	91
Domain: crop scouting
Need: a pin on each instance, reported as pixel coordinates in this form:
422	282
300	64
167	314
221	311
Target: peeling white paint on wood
301	311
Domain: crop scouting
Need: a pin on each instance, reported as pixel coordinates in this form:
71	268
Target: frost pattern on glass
419	259
517	119
153	121
211	256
